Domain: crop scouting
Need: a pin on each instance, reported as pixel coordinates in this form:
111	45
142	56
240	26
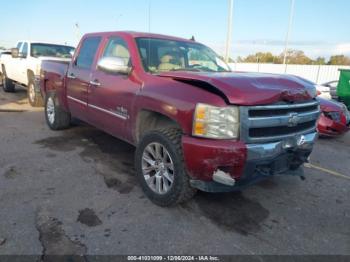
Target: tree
2	48
240	59
260	57
320	61
297	57
339	60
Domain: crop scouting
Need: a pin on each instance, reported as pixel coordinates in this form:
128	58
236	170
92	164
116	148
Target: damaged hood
249	88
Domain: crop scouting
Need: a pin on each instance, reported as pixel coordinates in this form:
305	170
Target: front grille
279	130
275	122
278	112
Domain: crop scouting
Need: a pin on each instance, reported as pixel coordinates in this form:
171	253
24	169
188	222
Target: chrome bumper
258	152
284	157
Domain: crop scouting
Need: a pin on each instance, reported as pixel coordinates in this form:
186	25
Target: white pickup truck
22	67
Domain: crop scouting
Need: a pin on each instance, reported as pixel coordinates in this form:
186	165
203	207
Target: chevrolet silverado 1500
22	66
195	124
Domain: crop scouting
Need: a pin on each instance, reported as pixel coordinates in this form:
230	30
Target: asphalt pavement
74	192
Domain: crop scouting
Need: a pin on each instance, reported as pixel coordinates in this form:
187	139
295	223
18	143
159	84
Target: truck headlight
216	122
335	116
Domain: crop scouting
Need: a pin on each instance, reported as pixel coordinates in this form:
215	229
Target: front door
111	95
78	77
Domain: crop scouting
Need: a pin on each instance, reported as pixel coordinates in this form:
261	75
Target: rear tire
171	191
56	117
35	99
7	84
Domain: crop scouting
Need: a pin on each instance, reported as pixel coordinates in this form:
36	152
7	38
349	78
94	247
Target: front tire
35	99
56	117
7	84
160	167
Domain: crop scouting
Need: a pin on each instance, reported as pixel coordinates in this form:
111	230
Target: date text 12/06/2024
173	258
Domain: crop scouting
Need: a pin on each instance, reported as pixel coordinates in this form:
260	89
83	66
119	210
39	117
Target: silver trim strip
285	106
77	100
97	108
108	112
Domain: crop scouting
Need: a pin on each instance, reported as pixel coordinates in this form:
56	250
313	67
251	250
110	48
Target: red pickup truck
195	124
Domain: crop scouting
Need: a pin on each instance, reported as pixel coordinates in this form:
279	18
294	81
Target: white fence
315	73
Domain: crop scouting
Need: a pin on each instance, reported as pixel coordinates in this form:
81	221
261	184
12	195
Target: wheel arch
147	120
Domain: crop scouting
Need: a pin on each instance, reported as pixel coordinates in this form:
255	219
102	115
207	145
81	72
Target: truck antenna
149	15
77	30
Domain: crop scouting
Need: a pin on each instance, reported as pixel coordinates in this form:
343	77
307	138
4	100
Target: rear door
78	77
111	96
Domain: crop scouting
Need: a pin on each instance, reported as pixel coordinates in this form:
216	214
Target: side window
25	49
117	47
19	45
87	52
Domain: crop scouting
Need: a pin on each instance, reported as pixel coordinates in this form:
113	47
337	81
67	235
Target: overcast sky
320	28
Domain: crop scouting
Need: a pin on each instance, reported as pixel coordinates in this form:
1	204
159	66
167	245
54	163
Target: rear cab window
87	52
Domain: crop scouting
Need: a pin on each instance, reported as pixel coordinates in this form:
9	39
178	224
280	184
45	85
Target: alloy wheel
50	110
158	168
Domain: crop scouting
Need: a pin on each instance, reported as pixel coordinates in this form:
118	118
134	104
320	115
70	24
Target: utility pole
229	31
291	15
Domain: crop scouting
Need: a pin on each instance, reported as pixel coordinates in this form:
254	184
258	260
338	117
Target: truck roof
134	34
42	42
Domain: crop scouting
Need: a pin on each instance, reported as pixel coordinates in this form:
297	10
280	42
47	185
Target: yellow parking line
325	170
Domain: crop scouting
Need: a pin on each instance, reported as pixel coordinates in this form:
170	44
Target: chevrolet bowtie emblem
293	119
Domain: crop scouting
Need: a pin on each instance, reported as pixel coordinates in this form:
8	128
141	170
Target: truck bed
53	73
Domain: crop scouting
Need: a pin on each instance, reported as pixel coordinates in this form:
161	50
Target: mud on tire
35	98
56	117
180	190
7	84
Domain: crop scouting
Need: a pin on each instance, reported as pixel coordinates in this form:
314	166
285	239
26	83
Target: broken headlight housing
335	116
346	113
216	122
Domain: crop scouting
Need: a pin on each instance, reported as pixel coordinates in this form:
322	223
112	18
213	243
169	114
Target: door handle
95	83
71	76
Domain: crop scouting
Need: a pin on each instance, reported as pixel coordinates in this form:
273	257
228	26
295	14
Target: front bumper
246	164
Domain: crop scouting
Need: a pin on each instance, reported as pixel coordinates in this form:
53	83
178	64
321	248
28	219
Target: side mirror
14	52
115	65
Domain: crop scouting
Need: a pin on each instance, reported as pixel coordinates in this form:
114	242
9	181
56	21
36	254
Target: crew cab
195	124
22	66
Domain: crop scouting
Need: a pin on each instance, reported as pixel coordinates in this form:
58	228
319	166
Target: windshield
60	51
161	55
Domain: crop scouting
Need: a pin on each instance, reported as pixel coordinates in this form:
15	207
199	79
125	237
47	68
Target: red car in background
334	119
